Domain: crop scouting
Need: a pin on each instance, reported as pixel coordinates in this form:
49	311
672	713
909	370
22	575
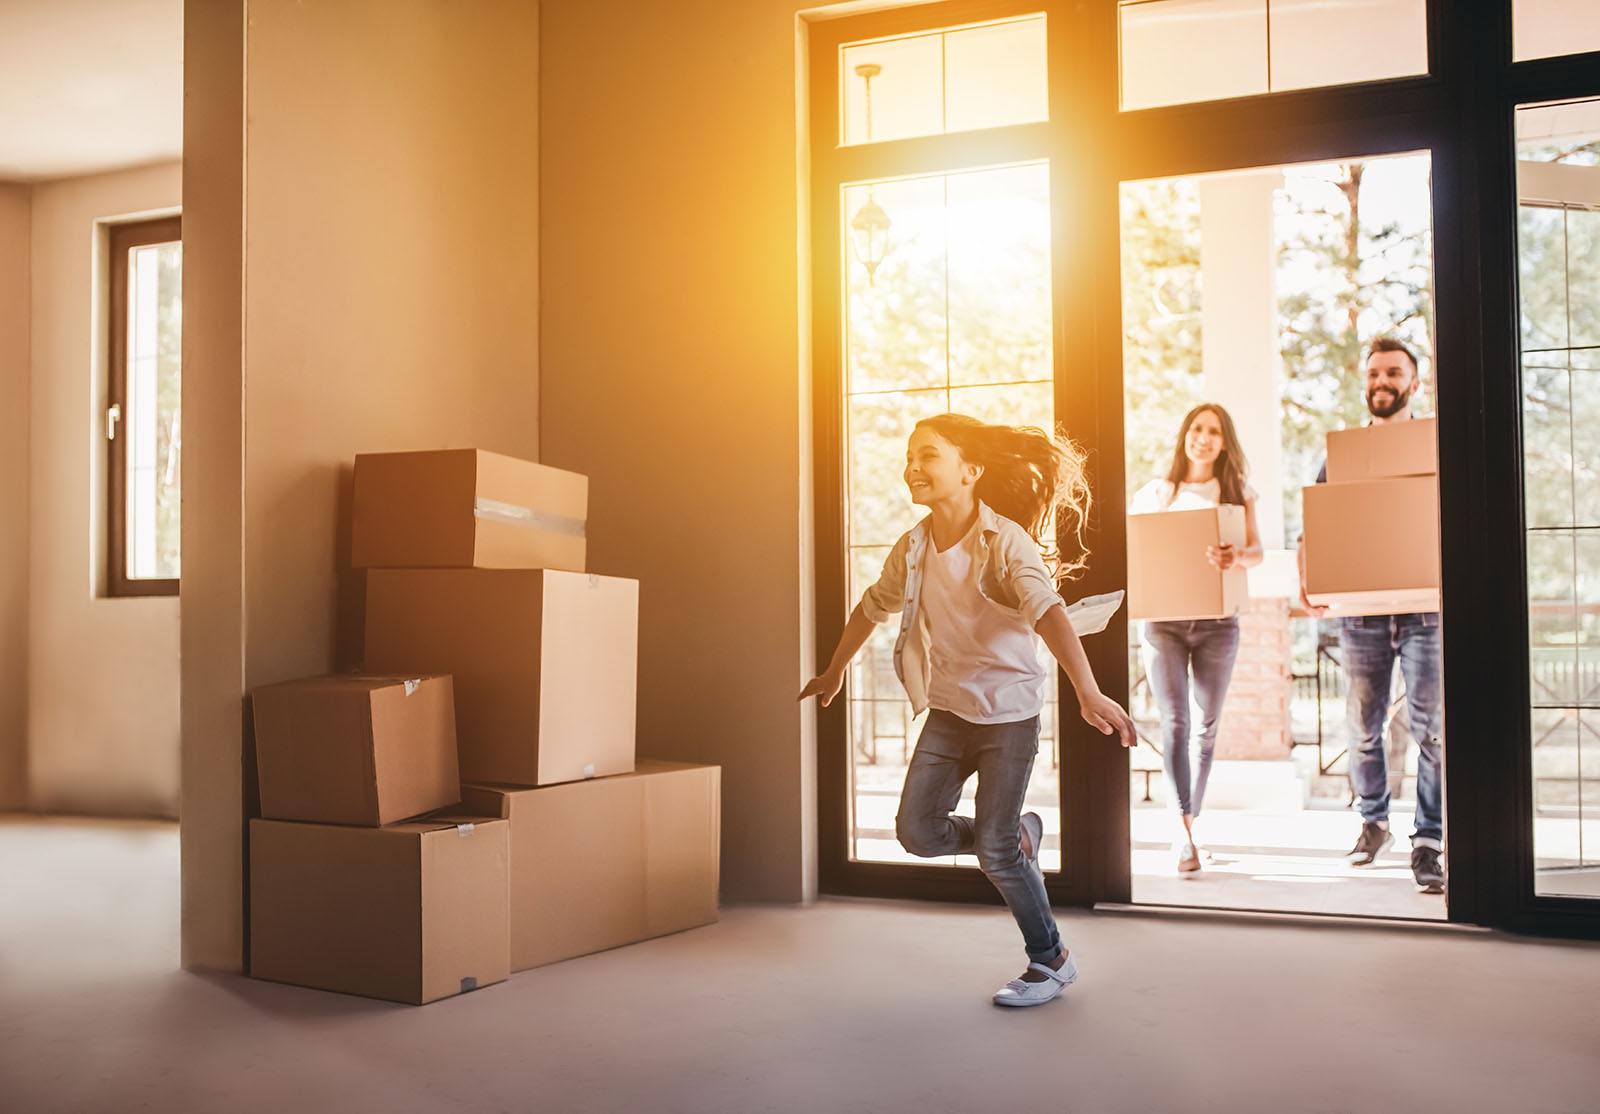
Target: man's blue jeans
949	751
1370	646
1173	651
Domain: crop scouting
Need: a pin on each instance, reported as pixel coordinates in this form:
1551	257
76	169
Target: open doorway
1259	293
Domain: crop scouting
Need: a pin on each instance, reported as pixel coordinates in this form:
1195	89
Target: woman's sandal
1021	992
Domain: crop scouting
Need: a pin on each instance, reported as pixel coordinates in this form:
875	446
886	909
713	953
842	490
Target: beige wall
15	291
674	375
385	187
103	673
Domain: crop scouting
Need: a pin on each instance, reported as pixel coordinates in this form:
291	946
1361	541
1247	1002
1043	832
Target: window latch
113	416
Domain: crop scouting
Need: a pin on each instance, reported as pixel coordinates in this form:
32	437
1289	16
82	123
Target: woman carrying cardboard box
1208	470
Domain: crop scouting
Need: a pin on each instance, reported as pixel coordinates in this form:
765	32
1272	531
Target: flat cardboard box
467	508
410	912
545	664
1169	577
597	864
1408	448
356	749
1372	547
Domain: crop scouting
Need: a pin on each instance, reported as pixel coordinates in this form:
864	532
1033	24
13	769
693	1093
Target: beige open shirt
1008	571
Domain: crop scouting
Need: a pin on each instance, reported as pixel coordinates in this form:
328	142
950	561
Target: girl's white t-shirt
1154	496
985	662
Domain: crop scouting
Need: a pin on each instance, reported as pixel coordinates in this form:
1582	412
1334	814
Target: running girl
972	585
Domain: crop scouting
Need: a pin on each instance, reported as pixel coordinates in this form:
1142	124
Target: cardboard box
356	749
1372	547
1168	574
467	508
411	912
1409	448
545	664
597	864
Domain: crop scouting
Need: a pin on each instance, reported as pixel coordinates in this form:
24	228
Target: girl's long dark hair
1231	466
1035	479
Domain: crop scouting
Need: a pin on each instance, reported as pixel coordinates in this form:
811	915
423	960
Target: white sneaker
1021	992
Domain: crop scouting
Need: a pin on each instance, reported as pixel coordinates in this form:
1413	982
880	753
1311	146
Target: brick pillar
1255	719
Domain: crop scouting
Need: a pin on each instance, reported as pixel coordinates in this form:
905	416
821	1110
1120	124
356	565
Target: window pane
999	235
893	89
1552	620
1586	442
1315	42
1583	273
1179	51
995	75
153	440
896	333
1550	28
1547	438
880	507
1542	277
1176	51
985	76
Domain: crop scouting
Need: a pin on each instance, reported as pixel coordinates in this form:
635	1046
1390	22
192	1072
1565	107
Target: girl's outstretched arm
1098	709
855	635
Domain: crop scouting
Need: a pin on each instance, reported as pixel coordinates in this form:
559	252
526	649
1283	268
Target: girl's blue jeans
949	751
1370	645
1173	651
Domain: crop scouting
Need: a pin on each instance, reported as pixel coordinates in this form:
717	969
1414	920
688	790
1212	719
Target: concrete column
1238	264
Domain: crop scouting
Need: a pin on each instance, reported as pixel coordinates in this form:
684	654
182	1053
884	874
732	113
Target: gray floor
843	1006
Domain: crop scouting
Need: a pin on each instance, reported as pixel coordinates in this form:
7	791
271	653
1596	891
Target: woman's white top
985	659
1157	496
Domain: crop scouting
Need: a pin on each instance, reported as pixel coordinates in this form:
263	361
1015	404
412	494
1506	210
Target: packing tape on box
465	829
527	517
413	685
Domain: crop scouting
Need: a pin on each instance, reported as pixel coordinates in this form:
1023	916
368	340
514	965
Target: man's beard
1400	399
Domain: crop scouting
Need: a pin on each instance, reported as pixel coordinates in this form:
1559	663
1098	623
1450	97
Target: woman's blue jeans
949	751
1173	651
1370	645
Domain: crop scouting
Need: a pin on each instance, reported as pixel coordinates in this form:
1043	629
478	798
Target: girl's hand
1107	716
1221	556
825	685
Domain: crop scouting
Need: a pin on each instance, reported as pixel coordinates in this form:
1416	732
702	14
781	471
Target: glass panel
153	439
1314	42
1542	277
896	329
893	89
1013	404
1550	28
958	294
1547	443
995	75
880	508
1587	683
1583	273
1586	443
999	236
1552	621
1176	51
983	76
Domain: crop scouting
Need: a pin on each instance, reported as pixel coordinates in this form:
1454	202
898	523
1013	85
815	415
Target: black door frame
1461	112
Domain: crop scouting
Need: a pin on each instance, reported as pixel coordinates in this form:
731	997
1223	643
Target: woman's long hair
1036	480
1231	466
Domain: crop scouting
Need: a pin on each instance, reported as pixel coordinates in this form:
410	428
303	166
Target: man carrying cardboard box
1370	646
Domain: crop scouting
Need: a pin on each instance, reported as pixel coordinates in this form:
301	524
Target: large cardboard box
466	508
545	664
1168	574
597	864
1409	448
411	912
355	749
1372	547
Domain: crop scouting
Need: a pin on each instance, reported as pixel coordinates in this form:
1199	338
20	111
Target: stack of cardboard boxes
1372	531
476	587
